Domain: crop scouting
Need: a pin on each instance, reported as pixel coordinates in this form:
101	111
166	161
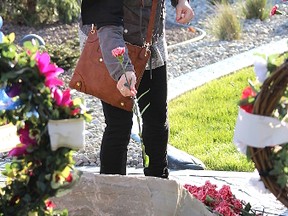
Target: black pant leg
113	153
155	124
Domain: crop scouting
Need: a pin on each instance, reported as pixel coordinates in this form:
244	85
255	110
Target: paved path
240	182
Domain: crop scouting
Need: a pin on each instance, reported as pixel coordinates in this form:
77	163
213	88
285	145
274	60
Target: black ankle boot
160	174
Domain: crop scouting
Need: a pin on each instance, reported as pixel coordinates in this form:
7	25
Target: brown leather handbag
92	77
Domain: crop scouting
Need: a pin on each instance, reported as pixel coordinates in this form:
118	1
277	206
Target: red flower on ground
274	10
221	202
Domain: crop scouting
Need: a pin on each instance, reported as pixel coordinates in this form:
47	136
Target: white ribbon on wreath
258	131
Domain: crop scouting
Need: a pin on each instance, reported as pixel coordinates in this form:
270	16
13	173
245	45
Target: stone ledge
129	196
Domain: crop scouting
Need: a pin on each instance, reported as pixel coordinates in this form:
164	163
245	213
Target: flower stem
136	111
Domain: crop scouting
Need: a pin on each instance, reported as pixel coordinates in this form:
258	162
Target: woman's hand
184	12
127	89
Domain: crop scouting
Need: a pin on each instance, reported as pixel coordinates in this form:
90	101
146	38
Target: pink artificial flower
53	82
19	150
26	141
62	98
119	51
50	71
24	135
274	10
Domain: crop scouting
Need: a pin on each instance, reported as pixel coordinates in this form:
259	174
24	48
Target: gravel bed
182	59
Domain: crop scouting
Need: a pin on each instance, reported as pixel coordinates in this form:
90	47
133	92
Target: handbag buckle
147	46
93	29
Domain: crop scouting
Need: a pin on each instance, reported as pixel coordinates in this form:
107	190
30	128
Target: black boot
160	174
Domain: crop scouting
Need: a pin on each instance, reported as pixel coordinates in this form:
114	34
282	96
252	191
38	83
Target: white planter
8	137
67	133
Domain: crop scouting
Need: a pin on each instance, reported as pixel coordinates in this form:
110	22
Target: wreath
262	124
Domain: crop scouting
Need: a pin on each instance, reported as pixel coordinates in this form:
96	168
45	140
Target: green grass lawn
202	122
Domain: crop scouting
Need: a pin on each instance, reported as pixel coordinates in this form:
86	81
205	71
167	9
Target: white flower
260	68
1	22
1	37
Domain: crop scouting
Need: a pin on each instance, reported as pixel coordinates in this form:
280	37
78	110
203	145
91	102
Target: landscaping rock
113	195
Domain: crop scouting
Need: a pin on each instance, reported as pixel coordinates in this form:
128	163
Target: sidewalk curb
196	78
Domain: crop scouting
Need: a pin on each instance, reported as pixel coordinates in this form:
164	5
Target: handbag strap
151	24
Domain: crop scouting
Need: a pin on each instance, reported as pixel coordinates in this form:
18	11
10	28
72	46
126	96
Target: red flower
119	51
69	178
274	10
75	111
225	193
224	209
246	94
49	204
221	202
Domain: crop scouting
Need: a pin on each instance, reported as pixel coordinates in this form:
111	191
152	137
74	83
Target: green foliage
256	9
67	10
225	25
65	55
203	120
36	12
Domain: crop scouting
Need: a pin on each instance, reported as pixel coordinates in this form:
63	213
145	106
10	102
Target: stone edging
200	37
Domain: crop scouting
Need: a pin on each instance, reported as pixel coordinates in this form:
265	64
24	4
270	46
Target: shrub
64	55
36	12
256	9
225	25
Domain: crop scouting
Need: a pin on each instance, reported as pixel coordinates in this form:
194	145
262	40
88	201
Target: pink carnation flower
119	51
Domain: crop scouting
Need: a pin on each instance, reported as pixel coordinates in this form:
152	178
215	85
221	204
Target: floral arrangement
29	80
264	67
221	202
